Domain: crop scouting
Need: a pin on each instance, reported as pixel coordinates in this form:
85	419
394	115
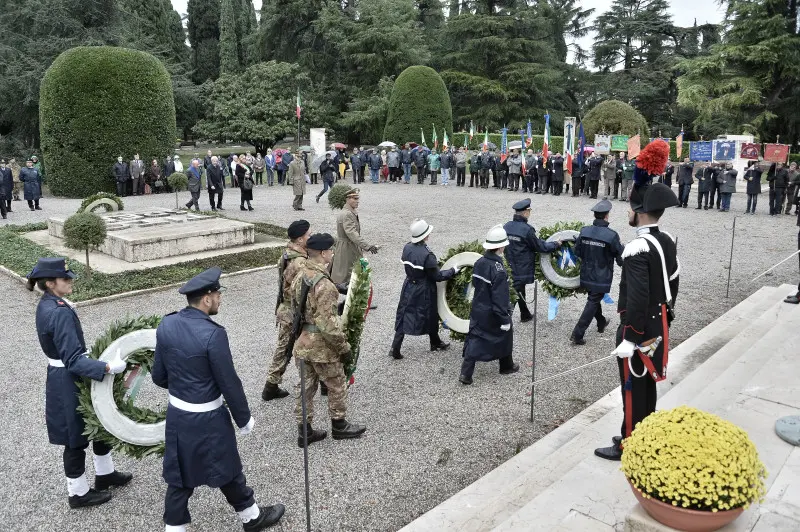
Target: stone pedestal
158	233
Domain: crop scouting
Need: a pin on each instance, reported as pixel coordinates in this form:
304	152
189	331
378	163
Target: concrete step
495	497
594	495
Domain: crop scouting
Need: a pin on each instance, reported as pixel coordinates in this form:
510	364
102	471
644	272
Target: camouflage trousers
279	359
332	374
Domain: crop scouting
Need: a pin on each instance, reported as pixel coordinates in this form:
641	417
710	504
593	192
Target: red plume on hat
653	158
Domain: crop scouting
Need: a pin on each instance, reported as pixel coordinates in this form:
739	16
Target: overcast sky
684	12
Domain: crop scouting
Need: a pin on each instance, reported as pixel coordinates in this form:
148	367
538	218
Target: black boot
241	207
602	327
341	429
313	435
509	371
273	391
267	516
323	388
117	478
440	346
610	453
91	498
577	341
395	354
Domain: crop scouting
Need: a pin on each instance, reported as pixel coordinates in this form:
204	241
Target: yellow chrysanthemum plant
695	460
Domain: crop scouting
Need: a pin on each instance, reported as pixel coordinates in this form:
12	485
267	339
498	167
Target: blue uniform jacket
598	248
523	244
32	180
6	183
61	337
417	312
193	360
491	308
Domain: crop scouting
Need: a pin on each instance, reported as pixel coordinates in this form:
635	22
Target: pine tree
228	41
159	26
203	26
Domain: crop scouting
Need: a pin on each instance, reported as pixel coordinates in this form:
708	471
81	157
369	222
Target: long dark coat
491	308
417	313
61	337
753	178
32	180
6	183
193	360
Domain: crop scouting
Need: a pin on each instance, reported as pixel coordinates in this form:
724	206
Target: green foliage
258	105
88	116
203	26
359	294
84	230
158	23
19	254
178	181
228	40
419	100
101	195
337	195
26	228
143	359
614	117
548	287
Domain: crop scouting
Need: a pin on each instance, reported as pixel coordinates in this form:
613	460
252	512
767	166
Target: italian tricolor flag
445	141
486	140
546	145
298	108
435	139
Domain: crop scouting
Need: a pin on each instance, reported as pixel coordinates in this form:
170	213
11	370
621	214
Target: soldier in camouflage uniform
291	262
322	344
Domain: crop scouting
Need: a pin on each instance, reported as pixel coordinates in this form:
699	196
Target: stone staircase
744	367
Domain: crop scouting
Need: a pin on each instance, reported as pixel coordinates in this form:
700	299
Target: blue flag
582	145
552	308
607	299
565	258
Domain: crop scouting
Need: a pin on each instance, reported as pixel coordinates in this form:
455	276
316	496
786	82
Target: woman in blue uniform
61	337
490	336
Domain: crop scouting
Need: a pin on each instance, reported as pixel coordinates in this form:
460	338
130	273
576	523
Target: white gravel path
428	436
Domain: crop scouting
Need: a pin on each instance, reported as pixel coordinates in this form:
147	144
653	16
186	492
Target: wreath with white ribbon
356	308
107	407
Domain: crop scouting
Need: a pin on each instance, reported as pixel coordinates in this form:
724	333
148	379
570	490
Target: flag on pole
581	144
298	108
522	136
569	141
546	144
504	144
529	140
486	140
435	138
466	141
471	130
422	134
679	144
445	141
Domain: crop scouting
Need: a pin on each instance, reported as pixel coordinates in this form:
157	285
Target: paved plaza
428	436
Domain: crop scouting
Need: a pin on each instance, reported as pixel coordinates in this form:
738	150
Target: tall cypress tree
228	41
160	26
203	26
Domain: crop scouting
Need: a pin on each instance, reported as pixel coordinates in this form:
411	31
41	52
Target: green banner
619	143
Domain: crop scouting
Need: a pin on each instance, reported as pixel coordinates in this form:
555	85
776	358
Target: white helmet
419	230
496	238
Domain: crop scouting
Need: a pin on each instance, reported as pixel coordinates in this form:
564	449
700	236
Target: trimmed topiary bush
419	101
97	103
177	182
614	117
84	231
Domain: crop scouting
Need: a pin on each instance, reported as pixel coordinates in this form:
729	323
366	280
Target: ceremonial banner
529	140
298	107
471	130
634	146
679	144
317	138
724	150
546	145
776	153
700	151
445	141
522	137
504	145
619	143
750	151
602	144
581	147
569	141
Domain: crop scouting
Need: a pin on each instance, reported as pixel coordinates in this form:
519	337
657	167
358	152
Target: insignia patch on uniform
635	247
61	302
499	267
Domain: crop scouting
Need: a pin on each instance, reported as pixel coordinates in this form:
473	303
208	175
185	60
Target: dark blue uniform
193	360
521	253
416	312
598	247
491	309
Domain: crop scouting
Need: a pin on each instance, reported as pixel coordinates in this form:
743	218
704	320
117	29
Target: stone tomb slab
158	233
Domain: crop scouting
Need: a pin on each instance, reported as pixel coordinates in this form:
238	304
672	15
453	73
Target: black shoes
463	379
323	389
273	391
613	453
794	300
241	207
577	341
267	516
396	354
115	479
441	346
602	328
616	440
525	318
313	435
317	199
508	371
219	208
250	208
91	498
341	429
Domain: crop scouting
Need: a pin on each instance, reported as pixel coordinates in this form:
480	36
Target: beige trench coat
296	175
349	245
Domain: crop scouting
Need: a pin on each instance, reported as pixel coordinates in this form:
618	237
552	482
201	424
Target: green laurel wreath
549	288
359	301
102	195
143	358
456	293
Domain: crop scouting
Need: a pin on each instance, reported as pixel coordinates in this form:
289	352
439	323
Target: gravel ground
428	436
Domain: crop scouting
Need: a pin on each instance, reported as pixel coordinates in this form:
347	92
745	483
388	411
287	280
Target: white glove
244	431
456	270
506	327
625	349
116	364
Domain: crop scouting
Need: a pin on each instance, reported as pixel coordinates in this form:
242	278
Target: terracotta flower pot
683	518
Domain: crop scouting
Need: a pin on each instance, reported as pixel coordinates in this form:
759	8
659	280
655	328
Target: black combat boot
313	435
341	429
267	516
601	327
90	498
117	478
439	345
273	391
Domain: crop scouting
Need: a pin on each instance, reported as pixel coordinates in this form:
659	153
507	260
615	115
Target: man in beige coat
296	175
349	243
